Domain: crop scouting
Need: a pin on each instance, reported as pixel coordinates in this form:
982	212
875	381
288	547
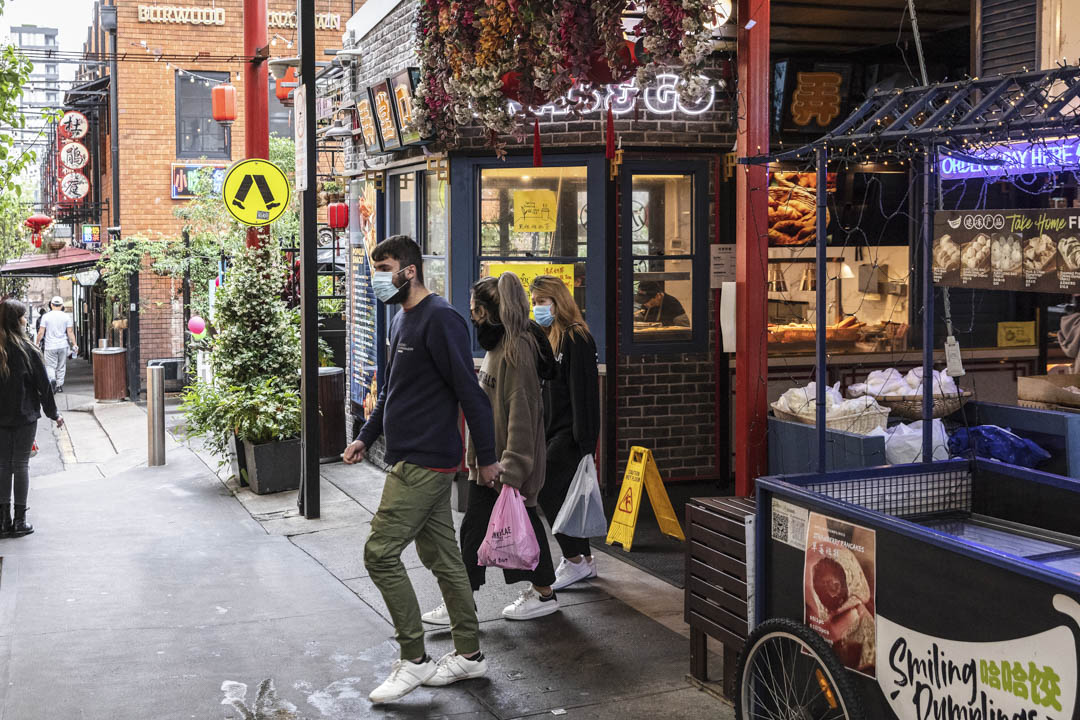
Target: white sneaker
530	605
569	573
405	677
438	616
453	667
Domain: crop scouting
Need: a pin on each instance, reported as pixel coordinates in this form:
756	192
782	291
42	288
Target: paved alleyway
154	593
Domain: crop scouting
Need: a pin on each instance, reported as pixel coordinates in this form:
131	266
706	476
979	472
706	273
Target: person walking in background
37	326
58	333
509	376
571	414
24	393
430	374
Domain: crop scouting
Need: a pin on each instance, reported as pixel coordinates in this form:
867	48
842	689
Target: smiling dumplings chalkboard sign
1027	250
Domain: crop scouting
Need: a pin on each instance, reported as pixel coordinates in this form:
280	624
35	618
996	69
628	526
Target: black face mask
488	334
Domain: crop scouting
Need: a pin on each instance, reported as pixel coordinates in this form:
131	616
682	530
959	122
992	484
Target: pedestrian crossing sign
641	471
255	192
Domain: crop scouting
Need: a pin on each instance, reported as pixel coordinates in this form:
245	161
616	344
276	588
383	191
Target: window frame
698	170
393	216
465	186
220	76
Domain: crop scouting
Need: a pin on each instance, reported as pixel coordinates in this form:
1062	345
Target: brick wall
147	138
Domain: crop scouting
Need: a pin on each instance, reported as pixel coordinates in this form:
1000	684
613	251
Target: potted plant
256	356
331	191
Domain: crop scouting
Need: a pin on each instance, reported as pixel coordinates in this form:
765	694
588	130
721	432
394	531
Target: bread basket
909	407
859	423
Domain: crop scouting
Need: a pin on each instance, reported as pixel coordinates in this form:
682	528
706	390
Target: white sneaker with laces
569	573
453	667
530	605
438	616
405	676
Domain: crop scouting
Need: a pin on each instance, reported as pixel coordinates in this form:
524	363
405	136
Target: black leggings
562	462
15	446
474	529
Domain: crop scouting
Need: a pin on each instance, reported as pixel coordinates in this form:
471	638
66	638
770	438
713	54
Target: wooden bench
718	532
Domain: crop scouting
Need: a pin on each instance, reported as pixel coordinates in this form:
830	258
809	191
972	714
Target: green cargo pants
415	505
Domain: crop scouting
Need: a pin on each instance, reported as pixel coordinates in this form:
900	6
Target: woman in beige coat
508	374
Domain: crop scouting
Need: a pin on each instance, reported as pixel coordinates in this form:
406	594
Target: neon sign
659	99
1013	159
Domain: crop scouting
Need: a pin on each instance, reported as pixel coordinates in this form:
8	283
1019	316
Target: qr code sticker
780	527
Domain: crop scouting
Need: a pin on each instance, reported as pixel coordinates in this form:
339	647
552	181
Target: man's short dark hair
403	249
648	289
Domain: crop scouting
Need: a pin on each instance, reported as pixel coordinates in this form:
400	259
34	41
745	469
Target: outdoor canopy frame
955	118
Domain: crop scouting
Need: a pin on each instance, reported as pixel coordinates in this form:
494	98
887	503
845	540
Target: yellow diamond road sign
255	192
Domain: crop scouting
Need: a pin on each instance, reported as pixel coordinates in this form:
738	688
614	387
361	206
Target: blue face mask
385	289
543	316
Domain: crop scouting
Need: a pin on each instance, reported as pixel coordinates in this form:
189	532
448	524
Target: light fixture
846	273
280	66
336	131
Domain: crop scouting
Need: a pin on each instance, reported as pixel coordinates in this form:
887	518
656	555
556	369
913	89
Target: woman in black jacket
572	414
24	392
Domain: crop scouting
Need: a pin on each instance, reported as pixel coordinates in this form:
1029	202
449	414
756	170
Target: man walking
58	332
429	376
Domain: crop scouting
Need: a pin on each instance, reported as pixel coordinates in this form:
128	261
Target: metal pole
928	310
155	415
822	300
256	94
751	249
187	300
309	286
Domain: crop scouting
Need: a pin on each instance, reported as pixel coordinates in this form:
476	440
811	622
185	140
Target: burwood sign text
216	16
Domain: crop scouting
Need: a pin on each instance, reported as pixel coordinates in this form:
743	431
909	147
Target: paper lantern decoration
223	103
196	325
37	222
283	93
337	215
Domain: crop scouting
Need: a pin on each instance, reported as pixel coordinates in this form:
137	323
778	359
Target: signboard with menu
404	85
366	116
385	120
1027	250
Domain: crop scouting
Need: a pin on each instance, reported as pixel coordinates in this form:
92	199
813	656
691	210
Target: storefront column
751	357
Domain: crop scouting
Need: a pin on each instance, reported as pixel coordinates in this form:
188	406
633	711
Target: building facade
41	91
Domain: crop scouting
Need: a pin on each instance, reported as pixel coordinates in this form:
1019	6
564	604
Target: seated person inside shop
659	307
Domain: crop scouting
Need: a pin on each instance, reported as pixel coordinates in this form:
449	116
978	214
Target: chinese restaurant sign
381	99
185	175
1030	250
1013	159
529	271
534	211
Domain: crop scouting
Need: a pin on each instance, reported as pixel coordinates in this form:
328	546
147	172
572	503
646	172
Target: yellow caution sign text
255	192
641	470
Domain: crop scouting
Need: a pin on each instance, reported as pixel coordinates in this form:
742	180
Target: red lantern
283	93
37	222
223	103
600	72
337	215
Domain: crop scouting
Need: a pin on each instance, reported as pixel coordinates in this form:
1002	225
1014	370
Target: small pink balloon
196	324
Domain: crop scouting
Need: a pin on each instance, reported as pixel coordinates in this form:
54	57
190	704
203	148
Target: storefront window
662	244
534	221
419	200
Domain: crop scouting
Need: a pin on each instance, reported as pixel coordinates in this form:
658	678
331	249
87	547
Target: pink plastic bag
510	542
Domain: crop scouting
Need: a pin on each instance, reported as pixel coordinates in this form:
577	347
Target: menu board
363	357
1025	250
385	120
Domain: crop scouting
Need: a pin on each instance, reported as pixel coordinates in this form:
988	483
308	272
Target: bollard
155	415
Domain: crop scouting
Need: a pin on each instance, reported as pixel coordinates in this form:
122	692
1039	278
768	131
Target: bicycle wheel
788	672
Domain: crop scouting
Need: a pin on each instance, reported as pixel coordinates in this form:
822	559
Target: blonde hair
568	318
505	301
12	334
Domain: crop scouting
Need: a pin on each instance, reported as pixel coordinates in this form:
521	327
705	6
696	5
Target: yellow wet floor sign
269	199
641	470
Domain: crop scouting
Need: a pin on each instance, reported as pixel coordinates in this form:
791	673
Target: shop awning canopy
954	117
66	261
92	92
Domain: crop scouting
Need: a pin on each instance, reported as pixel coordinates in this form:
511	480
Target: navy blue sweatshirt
430	375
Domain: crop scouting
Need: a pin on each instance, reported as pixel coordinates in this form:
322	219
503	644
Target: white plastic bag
903	444
582	513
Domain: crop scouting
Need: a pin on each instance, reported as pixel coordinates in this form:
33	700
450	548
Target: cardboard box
1016	334
1049	389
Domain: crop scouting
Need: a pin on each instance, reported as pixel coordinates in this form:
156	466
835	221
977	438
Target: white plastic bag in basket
903	443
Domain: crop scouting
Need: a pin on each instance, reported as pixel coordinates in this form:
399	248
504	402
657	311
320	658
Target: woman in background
572	414
24	391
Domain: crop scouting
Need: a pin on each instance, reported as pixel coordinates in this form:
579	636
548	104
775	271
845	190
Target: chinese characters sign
74	156
367	125
817	95
74	185
1028	677
384	115
186	177
402	84
534	211
74	125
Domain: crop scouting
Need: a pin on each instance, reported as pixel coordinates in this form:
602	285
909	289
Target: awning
51	265
93	92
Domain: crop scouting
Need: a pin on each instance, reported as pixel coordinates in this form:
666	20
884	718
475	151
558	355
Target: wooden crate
719	598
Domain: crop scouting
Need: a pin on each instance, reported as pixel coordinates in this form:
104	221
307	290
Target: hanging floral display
676	36
478	55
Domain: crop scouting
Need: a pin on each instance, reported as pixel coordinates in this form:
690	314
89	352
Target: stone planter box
273	466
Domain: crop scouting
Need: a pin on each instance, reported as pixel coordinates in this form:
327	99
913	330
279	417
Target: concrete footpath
170	593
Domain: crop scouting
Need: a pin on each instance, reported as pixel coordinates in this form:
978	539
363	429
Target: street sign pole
309	249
